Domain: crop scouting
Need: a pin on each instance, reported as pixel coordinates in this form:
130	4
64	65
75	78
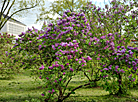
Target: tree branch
6	6
79	87
2	9
67	85
87	76
2	24
15	13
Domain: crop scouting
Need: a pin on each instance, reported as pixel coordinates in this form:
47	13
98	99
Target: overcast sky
29	20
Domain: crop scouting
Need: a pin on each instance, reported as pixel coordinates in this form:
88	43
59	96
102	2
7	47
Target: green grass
23	87
20	88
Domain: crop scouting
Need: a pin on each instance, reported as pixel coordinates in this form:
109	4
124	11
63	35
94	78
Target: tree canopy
58	7
9	8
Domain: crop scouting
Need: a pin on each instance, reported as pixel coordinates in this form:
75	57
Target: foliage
70	46
58	7
7	66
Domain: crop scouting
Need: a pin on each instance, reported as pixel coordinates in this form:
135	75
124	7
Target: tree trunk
59	100
120	82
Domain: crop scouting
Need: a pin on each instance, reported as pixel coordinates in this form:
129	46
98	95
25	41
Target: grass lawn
23	87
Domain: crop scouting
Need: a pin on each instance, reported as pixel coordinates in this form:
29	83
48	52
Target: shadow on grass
7	78
23	99
101	98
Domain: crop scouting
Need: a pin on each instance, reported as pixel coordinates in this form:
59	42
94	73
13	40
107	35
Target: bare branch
67	84
6	7
2	9
9	9
87	76
14	14
6	16
80	87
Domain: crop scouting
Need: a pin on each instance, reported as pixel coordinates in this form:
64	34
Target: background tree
9	8
58	7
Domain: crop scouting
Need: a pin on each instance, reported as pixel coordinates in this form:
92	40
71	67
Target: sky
29	20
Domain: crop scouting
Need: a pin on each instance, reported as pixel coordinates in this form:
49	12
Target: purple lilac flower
74	41
76	59
83	61
57	58
56	44
130	76
80	52
134	79
98	58
64	73
69	57
71	69
119	54
42	67
53	90
123	51
40	77
105	76
50	67
110	67
78	25
62	66
79	62
99	9
107	41
122	71
110	34
133	62
42	94
116	67
116	33
6	52
127	55
103	37
118	47
105	69
126	60
40	47
56	65
131	53
89	58
112	44
68	38
129	66
129	47
104	65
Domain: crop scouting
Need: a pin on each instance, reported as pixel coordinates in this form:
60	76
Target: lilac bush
75	43
7	66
